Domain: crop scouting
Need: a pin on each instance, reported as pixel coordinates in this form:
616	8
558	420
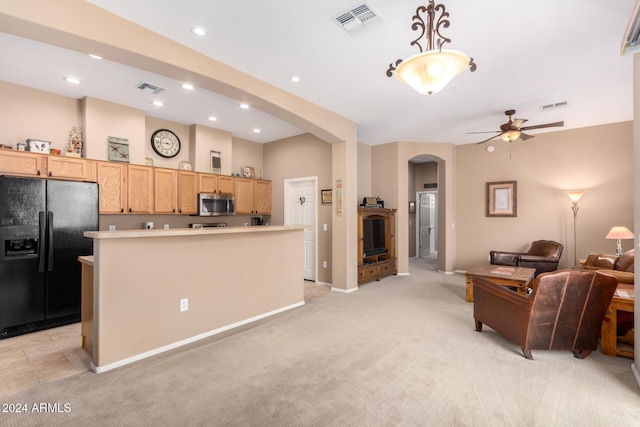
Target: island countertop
172	232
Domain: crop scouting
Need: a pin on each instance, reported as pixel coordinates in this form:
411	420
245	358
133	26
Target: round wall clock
165	143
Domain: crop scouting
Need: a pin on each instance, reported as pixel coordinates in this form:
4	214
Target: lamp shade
429	72
619	232
575	195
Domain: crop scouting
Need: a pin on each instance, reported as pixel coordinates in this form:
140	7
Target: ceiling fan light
510	135
429	72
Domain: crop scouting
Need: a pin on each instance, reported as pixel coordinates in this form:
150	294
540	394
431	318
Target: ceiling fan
513	129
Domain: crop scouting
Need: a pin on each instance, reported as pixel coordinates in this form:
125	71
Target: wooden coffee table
622	300
515	277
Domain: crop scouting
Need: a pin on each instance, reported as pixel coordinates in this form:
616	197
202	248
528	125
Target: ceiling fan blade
487	131
518	122
487	140
524	136
548	125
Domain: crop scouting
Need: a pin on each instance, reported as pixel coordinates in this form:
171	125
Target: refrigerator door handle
50	241
42	226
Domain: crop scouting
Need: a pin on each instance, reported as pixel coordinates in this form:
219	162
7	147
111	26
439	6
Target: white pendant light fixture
429	71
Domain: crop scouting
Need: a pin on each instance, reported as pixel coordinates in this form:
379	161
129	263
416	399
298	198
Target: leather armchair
543	255
564	311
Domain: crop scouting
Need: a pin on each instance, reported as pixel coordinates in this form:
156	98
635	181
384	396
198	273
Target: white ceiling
528	53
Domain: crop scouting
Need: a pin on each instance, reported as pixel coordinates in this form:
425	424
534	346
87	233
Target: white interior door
301	203
427	224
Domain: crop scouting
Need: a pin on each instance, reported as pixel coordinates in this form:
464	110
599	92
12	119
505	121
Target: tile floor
40	357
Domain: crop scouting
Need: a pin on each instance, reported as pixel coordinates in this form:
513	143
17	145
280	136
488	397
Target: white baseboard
323	283
105	368
636	374
344	291
402	274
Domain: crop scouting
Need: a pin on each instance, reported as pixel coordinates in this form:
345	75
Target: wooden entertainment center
379	261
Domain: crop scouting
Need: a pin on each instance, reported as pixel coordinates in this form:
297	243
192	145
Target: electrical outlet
184	304
324	227
324	264
112	228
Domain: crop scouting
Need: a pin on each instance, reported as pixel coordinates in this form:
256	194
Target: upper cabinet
262	197
136	189
61	167
226	184
165	190
112	181
22	163
187	192
140	189
253	196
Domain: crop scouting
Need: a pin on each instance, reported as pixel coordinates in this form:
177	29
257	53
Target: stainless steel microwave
216	204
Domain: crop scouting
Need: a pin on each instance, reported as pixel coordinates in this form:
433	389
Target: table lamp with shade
618	233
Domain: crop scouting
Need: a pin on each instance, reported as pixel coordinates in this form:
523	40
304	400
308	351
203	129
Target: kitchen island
155	290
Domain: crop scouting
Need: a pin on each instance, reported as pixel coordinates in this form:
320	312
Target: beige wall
203	140
31	113
247	153
300	157
597	159
364	171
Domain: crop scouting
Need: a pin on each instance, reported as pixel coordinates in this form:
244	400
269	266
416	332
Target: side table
623	300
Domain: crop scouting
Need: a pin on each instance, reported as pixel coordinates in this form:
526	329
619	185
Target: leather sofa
543	255
564	311
619	267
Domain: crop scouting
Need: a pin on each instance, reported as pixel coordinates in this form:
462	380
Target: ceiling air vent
548	107
358	18
149	88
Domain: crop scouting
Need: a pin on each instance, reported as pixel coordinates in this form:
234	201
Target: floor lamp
575	196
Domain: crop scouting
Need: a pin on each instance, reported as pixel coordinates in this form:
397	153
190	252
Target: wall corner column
345	214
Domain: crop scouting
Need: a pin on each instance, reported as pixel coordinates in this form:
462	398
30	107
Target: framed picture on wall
326	196
502	199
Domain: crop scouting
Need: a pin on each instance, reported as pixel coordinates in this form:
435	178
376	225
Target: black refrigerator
41	234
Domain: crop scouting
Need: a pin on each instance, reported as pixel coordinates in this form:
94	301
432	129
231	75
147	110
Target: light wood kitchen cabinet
253	196
244	196
112	179
165	190
226	184
61	167
140	189
187	192
207	183
262	197
22	163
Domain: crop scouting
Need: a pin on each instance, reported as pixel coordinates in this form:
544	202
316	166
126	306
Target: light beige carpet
402	351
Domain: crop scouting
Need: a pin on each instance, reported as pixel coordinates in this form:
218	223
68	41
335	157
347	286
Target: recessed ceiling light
244	106
295	79
187	86
256	130
73	80
94	56
157	103
213	119
199	31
